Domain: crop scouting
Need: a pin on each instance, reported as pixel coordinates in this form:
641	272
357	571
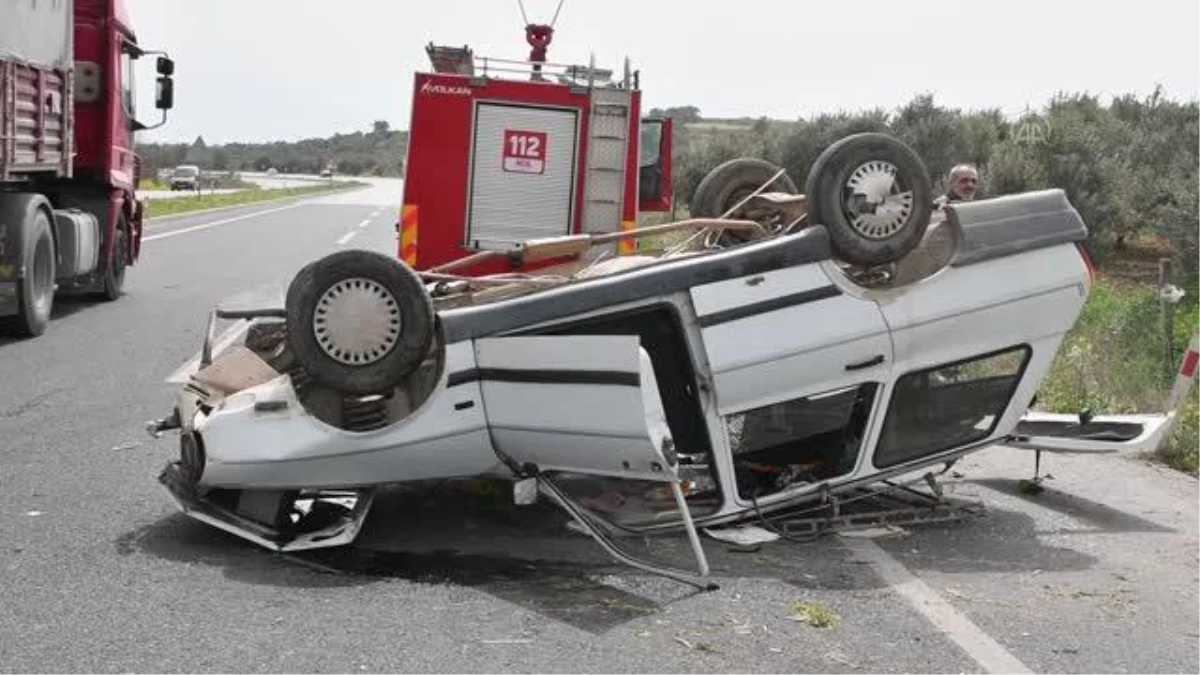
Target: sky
262	70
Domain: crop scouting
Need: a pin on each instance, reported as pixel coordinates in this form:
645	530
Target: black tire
114	274
35	292
402	335
827	190
730	182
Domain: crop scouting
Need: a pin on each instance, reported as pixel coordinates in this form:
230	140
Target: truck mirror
165	97
166	66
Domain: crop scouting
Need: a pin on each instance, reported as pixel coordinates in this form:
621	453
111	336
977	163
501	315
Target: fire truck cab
504	151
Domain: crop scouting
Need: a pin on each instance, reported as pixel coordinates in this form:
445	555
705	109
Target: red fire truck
503	151
69	216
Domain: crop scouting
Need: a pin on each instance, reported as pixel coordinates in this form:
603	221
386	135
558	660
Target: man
939	242
963	179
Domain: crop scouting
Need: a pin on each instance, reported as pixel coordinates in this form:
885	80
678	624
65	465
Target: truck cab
70	219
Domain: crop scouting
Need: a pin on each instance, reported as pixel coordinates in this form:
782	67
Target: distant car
272	171
326	173
185	177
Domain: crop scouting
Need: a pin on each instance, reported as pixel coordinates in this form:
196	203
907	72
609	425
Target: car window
949	405
798	441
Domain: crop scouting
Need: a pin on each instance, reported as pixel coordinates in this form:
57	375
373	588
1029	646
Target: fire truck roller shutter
522	174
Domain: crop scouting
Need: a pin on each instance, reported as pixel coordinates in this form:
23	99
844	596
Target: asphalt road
100	574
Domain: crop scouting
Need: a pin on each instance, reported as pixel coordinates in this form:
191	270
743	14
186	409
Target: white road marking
218	223
365	223
346	237
988	653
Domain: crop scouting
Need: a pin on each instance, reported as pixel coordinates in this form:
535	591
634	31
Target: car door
971	345
795	361
587	404
1100	434
582	404
785	334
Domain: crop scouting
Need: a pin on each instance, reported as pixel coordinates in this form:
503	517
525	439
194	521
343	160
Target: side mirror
166	66
165	96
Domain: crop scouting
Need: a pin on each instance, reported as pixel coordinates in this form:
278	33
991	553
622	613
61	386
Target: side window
651	142
799	441
128	97
948	406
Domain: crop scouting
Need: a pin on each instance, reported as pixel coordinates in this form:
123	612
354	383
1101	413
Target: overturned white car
765	361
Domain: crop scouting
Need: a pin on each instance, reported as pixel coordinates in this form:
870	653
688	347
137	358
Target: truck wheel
873	195
35	292
114	274
358	321
732	181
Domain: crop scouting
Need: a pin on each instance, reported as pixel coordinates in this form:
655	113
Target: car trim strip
771	305
545	376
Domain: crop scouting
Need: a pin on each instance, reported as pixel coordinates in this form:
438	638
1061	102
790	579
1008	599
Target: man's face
965	183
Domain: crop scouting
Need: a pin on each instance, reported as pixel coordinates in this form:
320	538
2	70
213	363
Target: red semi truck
70	219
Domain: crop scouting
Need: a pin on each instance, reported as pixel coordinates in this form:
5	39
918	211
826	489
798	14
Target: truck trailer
70	217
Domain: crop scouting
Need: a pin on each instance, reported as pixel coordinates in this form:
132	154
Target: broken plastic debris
884	532
525	491
744	535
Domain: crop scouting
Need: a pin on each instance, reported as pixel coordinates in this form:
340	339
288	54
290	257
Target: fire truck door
522	174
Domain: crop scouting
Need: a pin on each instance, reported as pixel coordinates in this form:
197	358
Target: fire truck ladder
608	143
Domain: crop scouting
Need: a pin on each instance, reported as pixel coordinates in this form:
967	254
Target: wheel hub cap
357	321
43	274
875	204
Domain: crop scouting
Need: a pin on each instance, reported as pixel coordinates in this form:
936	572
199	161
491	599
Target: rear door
1085	434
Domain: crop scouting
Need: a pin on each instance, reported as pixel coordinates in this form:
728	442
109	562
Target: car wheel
729	183
732	181
358	321
873	195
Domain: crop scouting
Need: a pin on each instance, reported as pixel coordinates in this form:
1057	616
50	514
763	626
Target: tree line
1129	166
376	152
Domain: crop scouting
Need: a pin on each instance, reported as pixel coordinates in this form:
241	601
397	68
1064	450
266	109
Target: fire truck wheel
873	195
729	183
358	321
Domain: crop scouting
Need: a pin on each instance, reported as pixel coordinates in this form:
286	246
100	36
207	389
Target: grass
815	614
164	207
152	184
